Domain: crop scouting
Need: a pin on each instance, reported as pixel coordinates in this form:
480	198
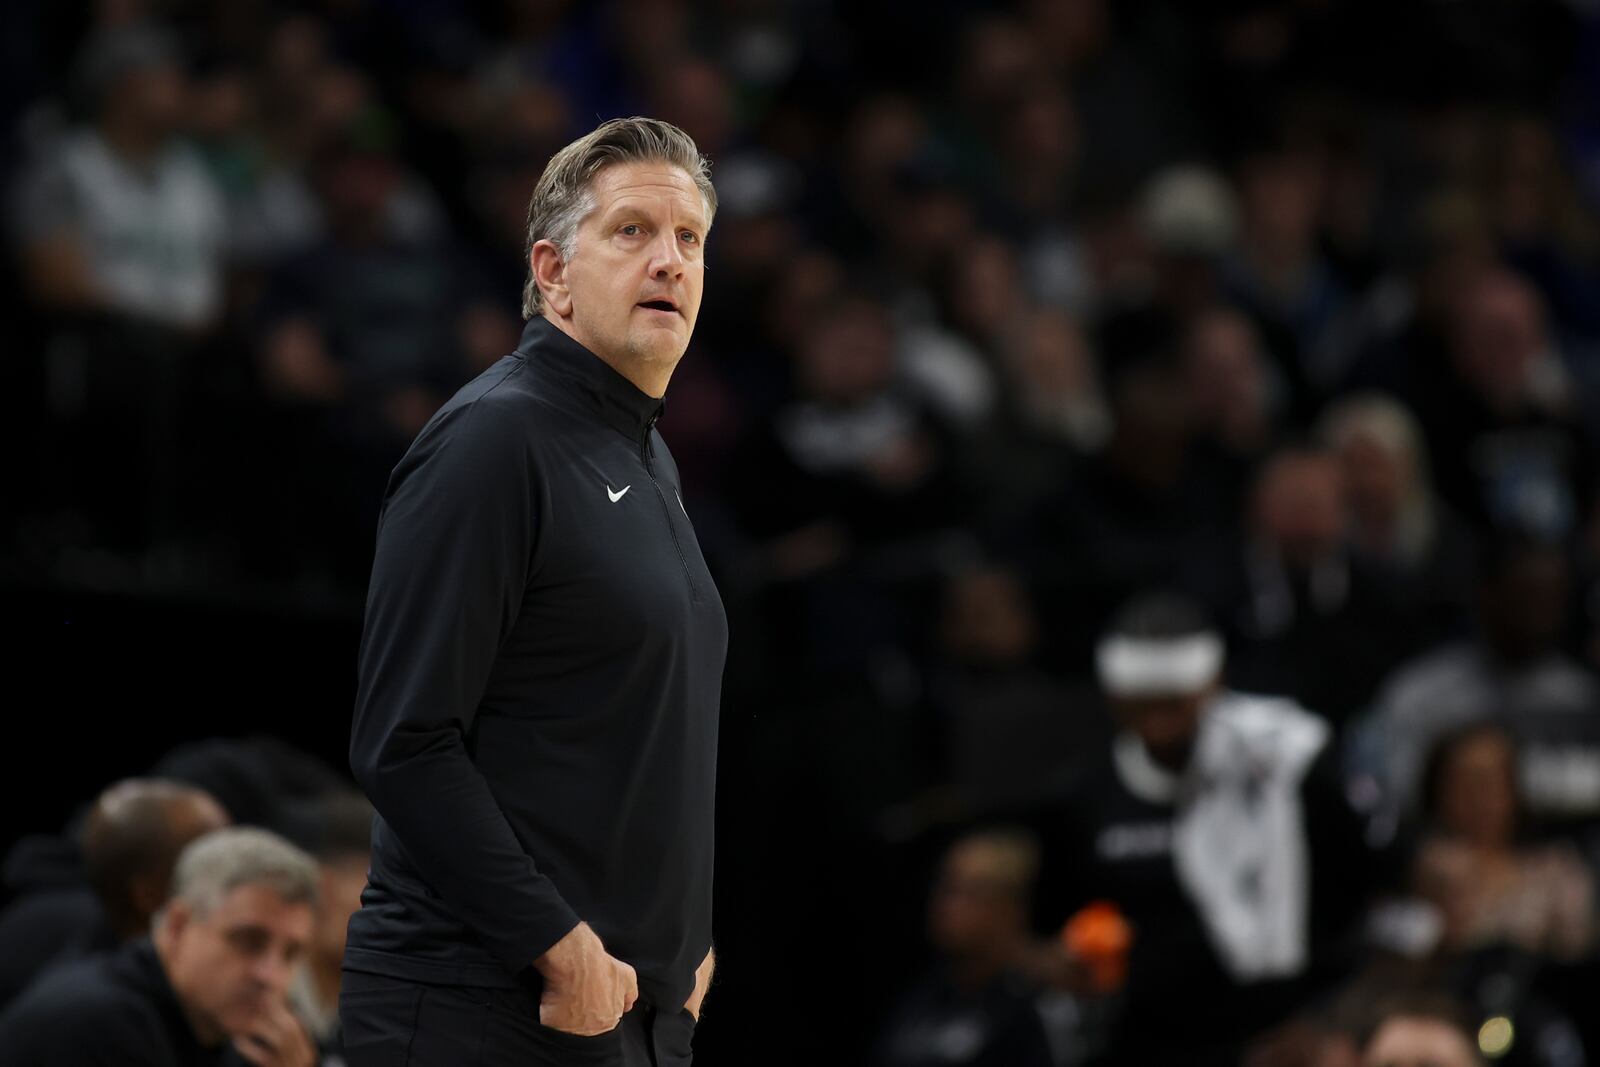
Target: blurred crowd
1016	313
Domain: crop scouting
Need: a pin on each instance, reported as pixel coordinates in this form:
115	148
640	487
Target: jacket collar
150	975
616	400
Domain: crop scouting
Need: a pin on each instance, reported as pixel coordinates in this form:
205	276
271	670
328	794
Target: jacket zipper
650	469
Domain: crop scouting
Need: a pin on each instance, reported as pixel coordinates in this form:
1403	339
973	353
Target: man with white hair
541	666
211	982
1216	825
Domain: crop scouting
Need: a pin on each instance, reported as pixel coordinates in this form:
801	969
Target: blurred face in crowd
1227	377
986	287
356	188
1477	790
1378	479
1165	725
221	105
154	98
848	355
1524	609
1000	55
1526	177
1458	250
1041	140
1153	420
884	133
987	619
1499	337
1299	507
1069	30
928	227
1053	359
1419	1042
977	903
230	963
807	283
694	96
630	293
1280	203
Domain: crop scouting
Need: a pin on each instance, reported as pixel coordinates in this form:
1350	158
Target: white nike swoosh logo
617	495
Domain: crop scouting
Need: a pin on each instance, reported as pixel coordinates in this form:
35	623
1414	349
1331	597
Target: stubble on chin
644	349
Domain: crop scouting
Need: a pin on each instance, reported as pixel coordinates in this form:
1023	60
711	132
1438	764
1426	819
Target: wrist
565	956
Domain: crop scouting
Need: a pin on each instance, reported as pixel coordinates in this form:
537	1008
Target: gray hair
224	860
1390	425
564	194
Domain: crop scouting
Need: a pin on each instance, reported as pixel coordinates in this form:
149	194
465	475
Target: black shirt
116	1009
540	680
939	1024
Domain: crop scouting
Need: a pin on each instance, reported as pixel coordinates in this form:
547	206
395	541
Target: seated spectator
341	841
846	494
1278	273
1009	728
1421	1031
215	971
1507	407
1051	415
1216	825
1145	509
851	450
1425	1027
134	836
1491	886
1305	620
121	233
1188	216
1513	671
1054	383
1237	396
120	217
130	841
1396	524
975	1008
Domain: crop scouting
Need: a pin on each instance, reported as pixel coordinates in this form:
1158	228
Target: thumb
630	986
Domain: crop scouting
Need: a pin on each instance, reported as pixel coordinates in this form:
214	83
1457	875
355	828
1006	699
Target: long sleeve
454	548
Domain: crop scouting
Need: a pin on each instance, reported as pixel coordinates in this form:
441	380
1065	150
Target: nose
666	257
274	970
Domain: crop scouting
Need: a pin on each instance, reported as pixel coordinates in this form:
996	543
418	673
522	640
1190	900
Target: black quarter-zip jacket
540	681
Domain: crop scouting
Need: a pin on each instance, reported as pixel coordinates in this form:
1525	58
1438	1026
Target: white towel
1239	843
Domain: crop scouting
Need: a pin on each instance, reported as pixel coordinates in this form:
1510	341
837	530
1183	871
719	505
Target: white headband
1158	666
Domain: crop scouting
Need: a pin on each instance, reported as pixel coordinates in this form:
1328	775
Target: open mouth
658	305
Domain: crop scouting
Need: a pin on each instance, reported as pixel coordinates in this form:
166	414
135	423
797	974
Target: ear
175	918
550	275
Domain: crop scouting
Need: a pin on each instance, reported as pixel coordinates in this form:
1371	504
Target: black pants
392	1022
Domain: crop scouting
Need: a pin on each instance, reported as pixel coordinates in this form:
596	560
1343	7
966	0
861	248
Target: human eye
690	236
249	940
630	229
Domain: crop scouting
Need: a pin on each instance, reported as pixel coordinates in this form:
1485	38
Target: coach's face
631	291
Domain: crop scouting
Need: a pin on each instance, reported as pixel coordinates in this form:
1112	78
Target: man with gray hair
540	669
209	983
